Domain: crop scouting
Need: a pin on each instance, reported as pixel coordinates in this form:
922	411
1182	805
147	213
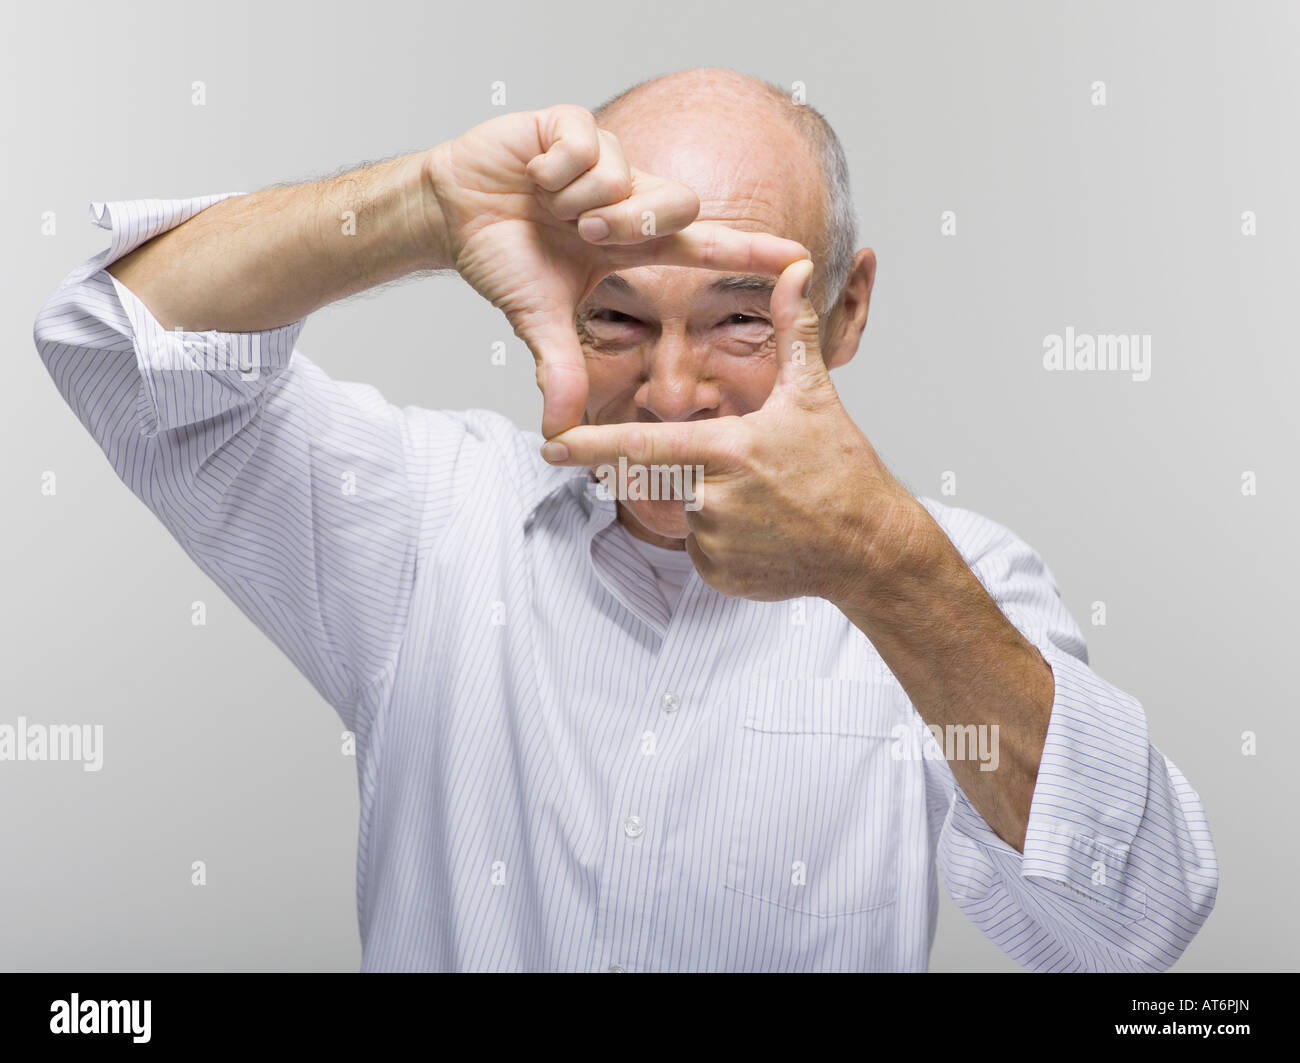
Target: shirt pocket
815	813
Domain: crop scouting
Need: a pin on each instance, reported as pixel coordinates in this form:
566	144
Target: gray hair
840	238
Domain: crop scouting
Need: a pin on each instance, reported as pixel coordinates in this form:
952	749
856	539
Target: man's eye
744	319
614	317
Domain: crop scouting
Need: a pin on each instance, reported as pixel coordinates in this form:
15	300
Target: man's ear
849	317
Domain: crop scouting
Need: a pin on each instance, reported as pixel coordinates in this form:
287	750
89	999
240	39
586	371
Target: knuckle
616	185
605	186
735	445
587	154
709	248
634	445
560	205
587	149
573	110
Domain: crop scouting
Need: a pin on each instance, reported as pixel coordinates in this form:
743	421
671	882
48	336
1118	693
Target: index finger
657	443
713	245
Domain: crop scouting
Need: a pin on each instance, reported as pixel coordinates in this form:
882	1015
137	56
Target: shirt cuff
136	221
1090	794
188	376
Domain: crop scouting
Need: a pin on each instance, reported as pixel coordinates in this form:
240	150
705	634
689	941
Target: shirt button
670	702
633	826
616	968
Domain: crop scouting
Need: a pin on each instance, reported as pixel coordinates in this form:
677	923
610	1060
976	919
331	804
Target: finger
794	319
607	183
697	555
658	443
714	245
561	371
654	207
570	147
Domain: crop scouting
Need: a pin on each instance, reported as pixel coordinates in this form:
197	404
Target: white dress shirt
670	569
557	769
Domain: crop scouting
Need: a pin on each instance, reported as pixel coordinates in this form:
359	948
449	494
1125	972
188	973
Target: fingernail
807	285
554	452
593	229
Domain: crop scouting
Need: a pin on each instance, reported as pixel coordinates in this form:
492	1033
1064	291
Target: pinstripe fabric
557	772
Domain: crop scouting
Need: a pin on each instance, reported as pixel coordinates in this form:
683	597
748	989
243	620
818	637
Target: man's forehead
749	171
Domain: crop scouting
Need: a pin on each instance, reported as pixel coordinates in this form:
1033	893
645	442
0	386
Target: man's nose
676	388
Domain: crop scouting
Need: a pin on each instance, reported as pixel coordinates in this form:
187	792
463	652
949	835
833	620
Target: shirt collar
551	481
623	570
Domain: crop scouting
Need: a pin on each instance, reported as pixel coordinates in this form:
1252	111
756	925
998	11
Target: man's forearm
256	262
962	663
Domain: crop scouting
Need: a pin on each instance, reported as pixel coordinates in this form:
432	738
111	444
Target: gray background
1123	218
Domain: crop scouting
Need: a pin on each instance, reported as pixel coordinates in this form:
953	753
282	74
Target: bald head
755	157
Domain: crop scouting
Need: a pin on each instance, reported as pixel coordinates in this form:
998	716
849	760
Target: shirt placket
639	818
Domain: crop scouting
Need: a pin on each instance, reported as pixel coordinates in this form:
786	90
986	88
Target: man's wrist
900	552
431	175
392	225
402	194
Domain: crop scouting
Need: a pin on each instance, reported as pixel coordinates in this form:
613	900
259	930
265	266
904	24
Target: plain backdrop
1122	218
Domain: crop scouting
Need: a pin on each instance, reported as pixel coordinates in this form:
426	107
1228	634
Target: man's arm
1084	849
1117	869
501	204
257	262
309	500
961	662
267	472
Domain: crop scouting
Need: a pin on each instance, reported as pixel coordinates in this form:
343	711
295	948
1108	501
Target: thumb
798	346
561	371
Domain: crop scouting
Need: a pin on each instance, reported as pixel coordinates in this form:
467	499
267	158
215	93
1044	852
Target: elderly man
736	725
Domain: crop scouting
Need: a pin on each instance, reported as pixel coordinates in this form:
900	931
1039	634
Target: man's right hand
518	198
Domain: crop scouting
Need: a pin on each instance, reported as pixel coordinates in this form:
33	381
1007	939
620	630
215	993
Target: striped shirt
558	770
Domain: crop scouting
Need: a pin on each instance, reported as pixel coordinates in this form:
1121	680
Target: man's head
670	343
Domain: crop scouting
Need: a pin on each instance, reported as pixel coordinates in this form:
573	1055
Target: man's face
670	343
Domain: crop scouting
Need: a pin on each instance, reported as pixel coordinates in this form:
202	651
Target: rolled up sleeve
1119	871
300	496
